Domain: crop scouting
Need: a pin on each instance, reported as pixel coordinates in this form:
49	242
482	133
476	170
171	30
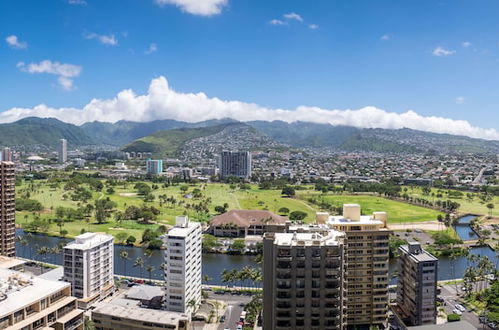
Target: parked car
457	311
460	307
222	319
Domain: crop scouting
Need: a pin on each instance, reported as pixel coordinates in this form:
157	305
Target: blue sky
437	58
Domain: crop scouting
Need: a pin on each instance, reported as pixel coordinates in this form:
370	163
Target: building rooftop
418	254
247	218
88	240
329	237
10	263
18	290
128	309
364	220
183	227
144	292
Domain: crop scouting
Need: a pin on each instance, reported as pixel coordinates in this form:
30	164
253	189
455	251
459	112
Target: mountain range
169	135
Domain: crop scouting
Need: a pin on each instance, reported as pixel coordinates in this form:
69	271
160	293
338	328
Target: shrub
453	318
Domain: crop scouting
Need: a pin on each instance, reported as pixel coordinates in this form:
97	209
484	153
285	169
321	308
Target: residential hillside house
240	223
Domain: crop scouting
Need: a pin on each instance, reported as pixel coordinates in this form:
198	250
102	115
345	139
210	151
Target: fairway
398	212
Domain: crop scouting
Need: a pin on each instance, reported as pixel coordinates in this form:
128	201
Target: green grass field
474	206
218	194
397	211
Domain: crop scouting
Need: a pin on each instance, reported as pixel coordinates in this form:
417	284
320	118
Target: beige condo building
7	209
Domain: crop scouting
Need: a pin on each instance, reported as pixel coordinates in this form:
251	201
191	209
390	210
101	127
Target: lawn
473	206
397	211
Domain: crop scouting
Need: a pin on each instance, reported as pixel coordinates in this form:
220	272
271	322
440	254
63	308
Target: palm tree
139	262
148	253
150	269
192	304
124	256
206	278
89	324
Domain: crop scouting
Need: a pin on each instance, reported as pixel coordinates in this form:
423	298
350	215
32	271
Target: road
451	299
233	310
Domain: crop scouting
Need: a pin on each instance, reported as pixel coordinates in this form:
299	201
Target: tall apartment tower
183	259
7	209
302	287
366	265
6	155
62	151
154	166
88	266
236	164
417	285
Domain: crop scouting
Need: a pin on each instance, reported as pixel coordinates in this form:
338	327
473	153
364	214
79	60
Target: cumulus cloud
162	102
196	7
293	16
152	48
466	44
313	26
277	22
440	51
460	100
102	38
14	42
385	37
65	72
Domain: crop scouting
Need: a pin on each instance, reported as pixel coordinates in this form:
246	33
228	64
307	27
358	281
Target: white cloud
103	39
293	16
77	2
14	42
196	7
313	26
277	22
460	100
152	48
385	37
162	102
65	72
440	51
466	44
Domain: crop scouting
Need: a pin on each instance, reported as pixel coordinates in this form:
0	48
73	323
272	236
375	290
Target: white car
460	307
457	311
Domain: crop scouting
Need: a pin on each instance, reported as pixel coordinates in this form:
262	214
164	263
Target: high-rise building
88	266
6	155
29	302
366	264
183	258
154	166
417	285
62	151
7	209
302	287
237	164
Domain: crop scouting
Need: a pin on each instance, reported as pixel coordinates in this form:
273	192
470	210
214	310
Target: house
240	223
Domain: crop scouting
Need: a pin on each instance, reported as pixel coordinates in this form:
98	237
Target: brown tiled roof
246	218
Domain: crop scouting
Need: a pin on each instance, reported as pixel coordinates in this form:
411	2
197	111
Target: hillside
42	132
168	143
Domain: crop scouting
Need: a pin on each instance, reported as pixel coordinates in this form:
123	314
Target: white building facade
183	257
62	151
88	266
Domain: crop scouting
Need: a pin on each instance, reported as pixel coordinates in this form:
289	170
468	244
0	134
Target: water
464	230
213	264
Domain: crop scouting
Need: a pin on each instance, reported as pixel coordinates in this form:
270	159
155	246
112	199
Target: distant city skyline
431	66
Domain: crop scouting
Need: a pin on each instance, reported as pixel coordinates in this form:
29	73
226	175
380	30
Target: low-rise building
29	302
127	314
240	223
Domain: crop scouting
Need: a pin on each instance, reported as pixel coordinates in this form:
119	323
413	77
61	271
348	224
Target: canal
214	264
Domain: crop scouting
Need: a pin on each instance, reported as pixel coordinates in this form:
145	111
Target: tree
139	262
63	233
288	191
283	210
150	269
210	243
131	240
124	257
121	236
238	246
297	215
490	206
